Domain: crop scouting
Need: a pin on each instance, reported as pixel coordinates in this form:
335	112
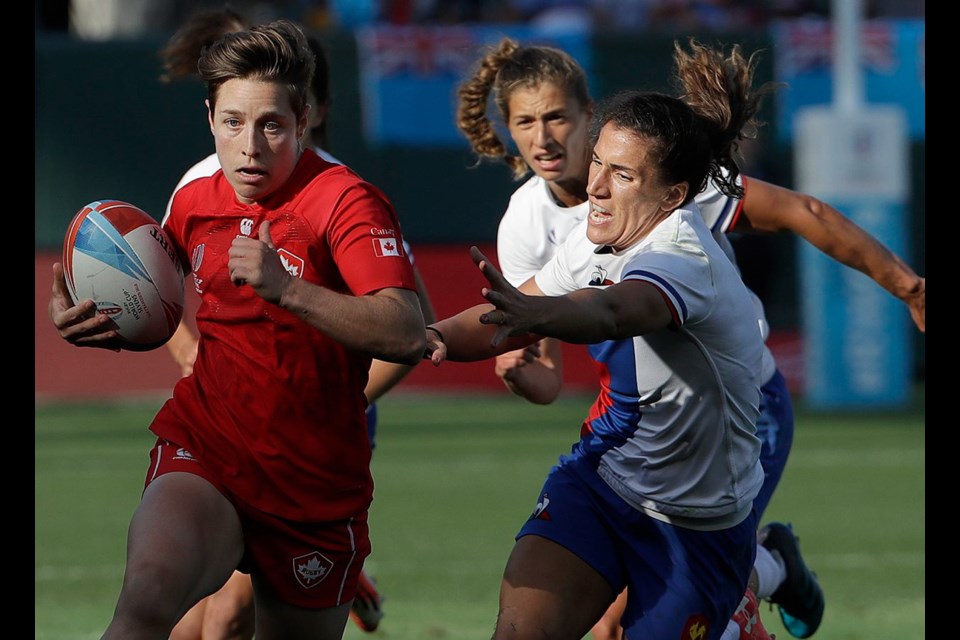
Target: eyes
553	119
619	174
269	126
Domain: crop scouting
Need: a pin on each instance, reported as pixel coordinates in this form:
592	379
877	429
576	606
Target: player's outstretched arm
769	208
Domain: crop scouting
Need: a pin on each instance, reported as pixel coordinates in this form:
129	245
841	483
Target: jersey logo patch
599	278
293	264
385	247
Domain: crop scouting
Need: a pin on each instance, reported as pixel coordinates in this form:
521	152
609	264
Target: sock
771	572
732	632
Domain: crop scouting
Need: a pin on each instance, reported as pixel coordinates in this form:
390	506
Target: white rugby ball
117	255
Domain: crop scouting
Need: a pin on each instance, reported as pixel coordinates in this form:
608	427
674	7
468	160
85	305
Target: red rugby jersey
275	408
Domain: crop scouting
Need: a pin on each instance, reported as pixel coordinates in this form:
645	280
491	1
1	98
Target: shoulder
203	169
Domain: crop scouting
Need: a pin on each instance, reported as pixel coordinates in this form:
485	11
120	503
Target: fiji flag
410	76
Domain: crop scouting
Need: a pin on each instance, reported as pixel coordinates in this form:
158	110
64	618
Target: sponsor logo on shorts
540	512
183	454
311	568
696	628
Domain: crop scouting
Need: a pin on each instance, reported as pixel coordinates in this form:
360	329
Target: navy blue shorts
775	430
682	583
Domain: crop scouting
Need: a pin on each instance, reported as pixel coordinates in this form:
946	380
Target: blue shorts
775	430
682	583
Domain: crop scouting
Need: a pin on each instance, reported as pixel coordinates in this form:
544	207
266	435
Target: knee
149	598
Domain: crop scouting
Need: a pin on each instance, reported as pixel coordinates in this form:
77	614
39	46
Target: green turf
456	476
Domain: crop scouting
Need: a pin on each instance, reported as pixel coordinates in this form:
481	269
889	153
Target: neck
568	193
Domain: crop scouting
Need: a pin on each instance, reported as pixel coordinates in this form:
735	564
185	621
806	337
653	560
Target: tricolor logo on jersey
540	512
599	278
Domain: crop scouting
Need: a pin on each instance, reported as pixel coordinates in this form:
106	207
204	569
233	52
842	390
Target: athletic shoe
366	610
747	617
800	597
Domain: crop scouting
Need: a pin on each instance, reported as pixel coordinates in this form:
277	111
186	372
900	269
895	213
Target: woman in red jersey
262	457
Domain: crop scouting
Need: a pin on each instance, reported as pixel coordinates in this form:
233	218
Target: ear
303	121
209	114
675	196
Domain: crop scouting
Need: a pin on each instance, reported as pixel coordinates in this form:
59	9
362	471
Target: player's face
256	133
550	131
627	196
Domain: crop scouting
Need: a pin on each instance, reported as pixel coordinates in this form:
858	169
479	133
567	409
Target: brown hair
698	133
506	67
179	56
274	52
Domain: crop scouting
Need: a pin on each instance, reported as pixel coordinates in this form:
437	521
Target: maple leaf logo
310	569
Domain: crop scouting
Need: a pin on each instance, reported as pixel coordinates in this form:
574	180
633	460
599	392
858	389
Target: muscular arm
768	208
385	375
387	324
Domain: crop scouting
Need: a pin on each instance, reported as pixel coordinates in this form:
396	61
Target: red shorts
314	565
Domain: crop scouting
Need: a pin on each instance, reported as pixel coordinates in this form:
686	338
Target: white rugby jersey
672	431
534	226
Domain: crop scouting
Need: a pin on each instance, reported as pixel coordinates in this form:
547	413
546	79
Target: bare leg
548	592
277	620
183	543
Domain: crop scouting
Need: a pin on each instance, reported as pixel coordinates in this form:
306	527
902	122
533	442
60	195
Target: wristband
436	331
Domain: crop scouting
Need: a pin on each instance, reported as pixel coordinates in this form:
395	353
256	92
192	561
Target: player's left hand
515	313
436	351
255	261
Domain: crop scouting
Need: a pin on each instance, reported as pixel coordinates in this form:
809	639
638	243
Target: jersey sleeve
366	243
517	258
684	279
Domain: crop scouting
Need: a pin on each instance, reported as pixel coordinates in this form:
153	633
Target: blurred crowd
106	19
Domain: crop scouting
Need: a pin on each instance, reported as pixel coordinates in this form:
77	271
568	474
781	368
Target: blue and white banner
410	76
893	55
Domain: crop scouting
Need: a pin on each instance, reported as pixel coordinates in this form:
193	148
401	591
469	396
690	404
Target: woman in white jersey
229	614
657	493
541	94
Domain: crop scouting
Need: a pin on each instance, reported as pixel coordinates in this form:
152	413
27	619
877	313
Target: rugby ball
117	255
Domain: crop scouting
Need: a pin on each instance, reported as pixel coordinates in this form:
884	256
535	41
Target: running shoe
367	610
799	597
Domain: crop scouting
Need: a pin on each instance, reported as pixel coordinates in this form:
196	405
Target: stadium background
127	136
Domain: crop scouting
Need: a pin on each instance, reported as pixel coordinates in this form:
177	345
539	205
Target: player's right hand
79	324
508	364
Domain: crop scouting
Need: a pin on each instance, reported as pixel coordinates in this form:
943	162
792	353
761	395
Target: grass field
456	476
